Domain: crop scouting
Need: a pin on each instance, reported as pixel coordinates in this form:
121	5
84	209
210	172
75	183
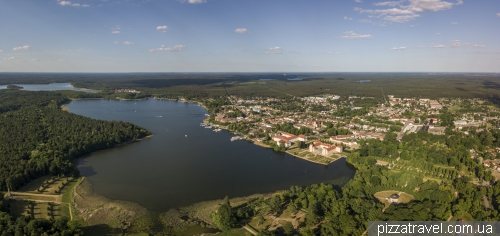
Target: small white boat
186	135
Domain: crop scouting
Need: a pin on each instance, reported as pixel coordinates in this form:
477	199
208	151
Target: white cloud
1	50
456	43
69	3
438	33
438	46
115	30
8	58
347	18
454	23
193	1
357	0
275	50
162	28
401	19
460	2
64	3
388	3
168	49
128	43
498	14
241	31
115	42
406	10
398	48
352	35
25	47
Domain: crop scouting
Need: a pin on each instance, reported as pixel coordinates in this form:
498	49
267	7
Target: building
367	135
341	140
324	149
288	139
394	198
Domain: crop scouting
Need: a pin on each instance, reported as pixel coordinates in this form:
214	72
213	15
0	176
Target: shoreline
294	155
132	141
121	216
84	89
102	210
65	108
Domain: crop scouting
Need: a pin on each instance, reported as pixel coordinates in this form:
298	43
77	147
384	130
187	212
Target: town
322	129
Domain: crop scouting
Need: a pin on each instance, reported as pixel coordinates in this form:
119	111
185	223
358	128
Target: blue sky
249	36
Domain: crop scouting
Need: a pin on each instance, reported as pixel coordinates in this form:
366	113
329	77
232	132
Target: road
400	135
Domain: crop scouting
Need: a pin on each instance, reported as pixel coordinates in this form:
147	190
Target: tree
265	232
312	217
224	217
288	228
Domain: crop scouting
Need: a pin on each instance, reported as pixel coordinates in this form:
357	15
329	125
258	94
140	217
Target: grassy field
462	216
235	232
46	197
275	222
438	180
383	197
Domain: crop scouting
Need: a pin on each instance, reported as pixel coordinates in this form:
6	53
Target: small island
13	86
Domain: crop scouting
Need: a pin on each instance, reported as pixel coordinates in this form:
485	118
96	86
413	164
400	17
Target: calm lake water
50	87
170	170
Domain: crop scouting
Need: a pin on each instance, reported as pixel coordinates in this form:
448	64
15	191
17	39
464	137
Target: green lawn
235	232
463	216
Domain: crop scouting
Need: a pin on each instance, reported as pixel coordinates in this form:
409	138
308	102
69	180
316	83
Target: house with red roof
324	149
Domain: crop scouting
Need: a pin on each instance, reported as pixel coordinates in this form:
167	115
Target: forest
214	85
37	138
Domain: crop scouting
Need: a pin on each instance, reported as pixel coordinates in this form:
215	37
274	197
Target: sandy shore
65	107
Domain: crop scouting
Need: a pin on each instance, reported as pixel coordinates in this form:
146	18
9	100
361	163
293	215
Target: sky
249	36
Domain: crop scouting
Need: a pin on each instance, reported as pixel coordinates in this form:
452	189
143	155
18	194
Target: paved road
400	135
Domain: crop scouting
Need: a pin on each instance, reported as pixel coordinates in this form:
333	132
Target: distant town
324	128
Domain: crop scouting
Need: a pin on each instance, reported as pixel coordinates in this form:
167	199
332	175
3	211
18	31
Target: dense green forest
25	226
205	85
38	138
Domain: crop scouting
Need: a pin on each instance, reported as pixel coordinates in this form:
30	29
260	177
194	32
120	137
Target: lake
50	87
184	163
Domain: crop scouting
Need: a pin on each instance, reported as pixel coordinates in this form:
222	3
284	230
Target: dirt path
34	194
250	230
48	197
